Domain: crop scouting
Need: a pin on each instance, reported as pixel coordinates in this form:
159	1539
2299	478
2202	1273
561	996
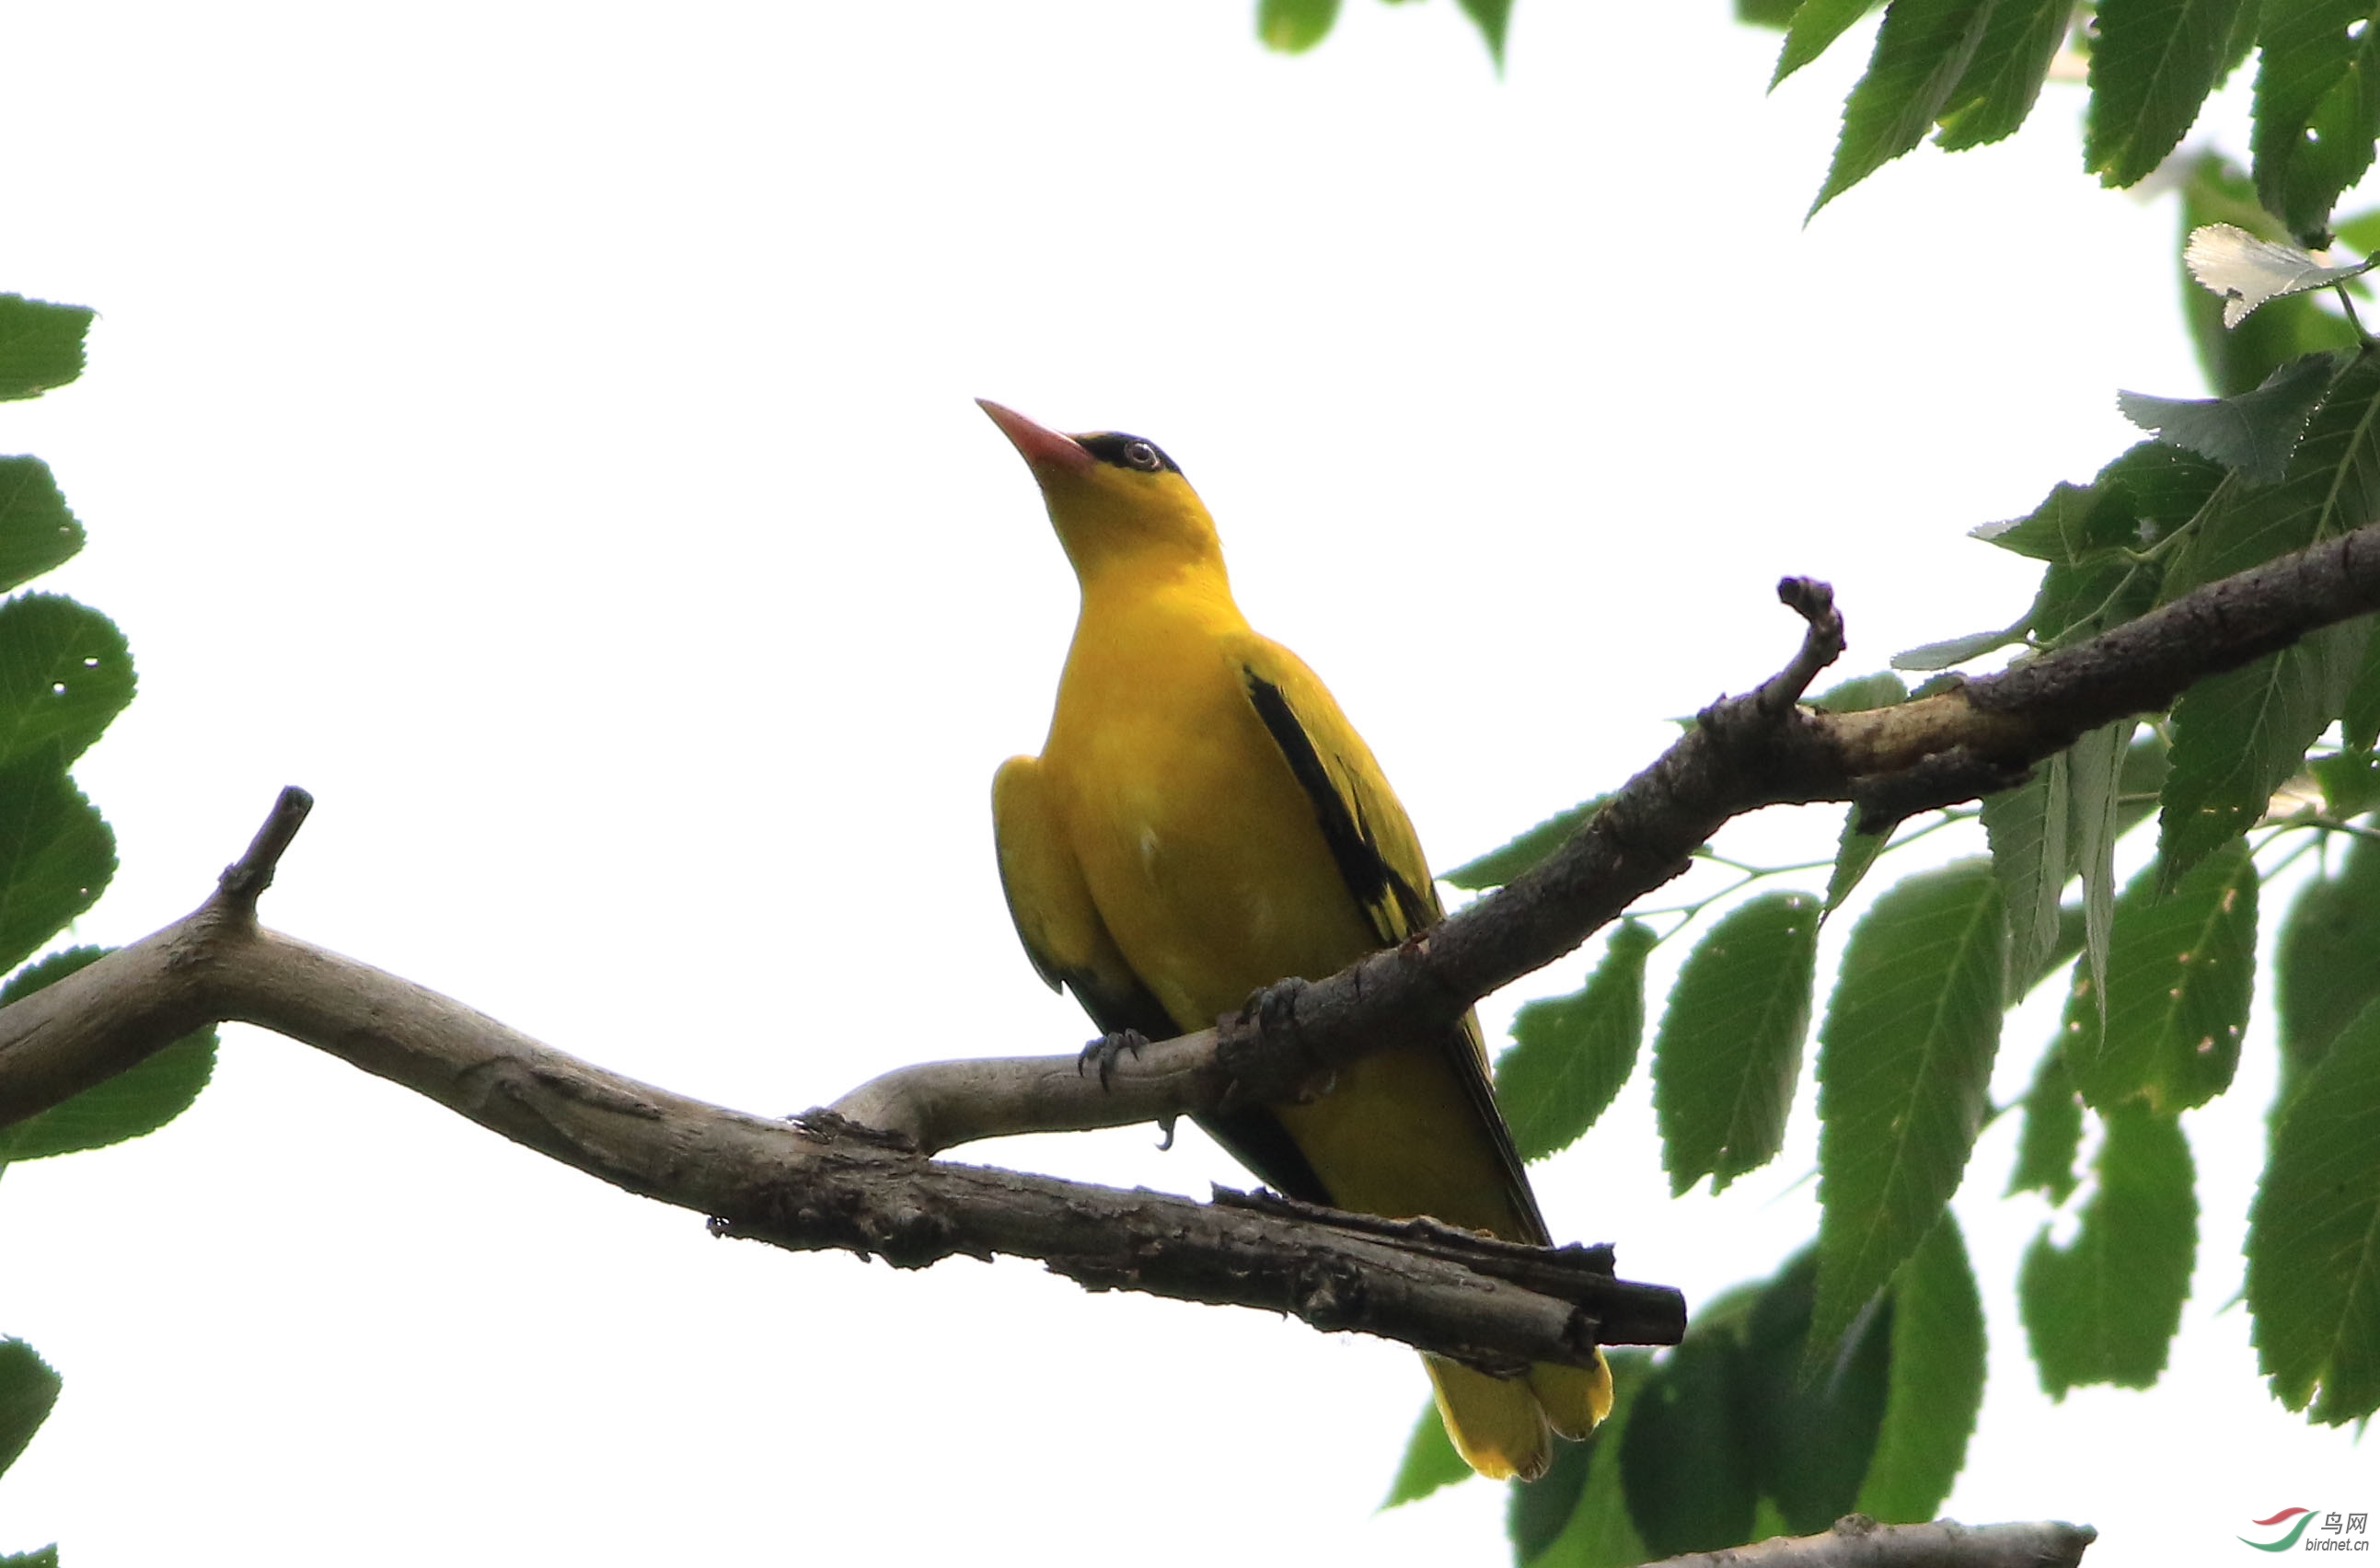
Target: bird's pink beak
1042	449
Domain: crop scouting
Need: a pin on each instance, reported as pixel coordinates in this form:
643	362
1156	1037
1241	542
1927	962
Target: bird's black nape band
1108	445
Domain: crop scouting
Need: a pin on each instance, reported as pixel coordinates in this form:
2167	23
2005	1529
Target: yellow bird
1203	821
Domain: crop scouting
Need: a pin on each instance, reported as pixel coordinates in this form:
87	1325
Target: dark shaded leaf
1930	656
1729	1051
1854	853
2051	1138
1600	1534
37	532
1683	1459
2254	432
1937	1389
2358	718
27	1390
1811	1439
133	1104
2350	781
65	674
2005	77
1904	1066
55	855
1922	54
1502	865
1814	25
2326	968
1771	14
41	345
1535	1512
2180	974
2314	1237
1429	1462
1570	1055
2104	1309
2240	736
1294	26
2153	63
2317	109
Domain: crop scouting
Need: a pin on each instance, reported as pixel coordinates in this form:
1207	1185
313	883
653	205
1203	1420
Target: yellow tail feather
1505	1427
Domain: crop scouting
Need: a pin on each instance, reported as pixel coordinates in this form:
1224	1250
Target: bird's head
1116	500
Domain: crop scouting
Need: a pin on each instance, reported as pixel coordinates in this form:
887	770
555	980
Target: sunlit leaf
2245	271
2104	1309
2238	359
1294	26
1729	1051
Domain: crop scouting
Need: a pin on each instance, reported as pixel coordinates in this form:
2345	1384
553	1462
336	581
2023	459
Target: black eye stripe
1121	450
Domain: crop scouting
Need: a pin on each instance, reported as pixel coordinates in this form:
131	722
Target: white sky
544	432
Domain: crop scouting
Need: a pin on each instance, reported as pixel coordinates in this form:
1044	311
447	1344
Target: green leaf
2318	108
2051	1138
1491	17
2180	974
1429	1462
1929	656
2314	1237
1535	1512
1904	1067
2026	828
1922	54
1570	1055
1506	864
41	345
1772	14
37	532
1729	1051
2254	432
2360	716
2153	63
1938	1381
1854	853
2100	771
55	855
65	672
2005	77
2350	781
1816	24
133	1104
1811	1439
2237	359
1683	1460
1294	26
1862	694
1600	1533
2326	968
27	1390
2240	736
45	1557
2104	1308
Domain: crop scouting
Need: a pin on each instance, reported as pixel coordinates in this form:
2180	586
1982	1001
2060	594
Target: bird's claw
1166	1123
1106	1049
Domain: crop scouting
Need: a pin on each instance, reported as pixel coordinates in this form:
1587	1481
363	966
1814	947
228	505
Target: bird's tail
1505	1427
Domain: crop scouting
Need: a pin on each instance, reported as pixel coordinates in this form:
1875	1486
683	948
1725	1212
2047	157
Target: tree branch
1857	1541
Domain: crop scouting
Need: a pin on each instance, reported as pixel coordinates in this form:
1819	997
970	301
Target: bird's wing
1051	904
1378	857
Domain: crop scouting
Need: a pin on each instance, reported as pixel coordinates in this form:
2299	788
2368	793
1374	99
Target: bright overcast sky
545	434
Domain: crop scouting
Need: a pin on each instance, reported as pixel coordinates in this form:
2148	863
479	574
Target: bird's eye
1142	456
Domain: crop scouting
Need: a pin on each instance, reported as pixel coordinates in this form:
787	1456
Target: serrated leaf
1683	1460
2099	767
1937	1389
2318	108
37	532
1600	1534
41	345
55	855
1570	1055
1862	694
1507	862
1811	1439
1429	1462
2240	736
1772	14
1904	1070
1854	853
2139	497
46	1557
2026	828
1922	54
1930	656
27	1390
2247	270
2236	360
133	1104
2153	63
2314	1237
2104	1308
1815	25
2326	966
1535	1512
2051	1136
1491	17
2253	433
65	672
2350	781
1729	1051
1294	26
2005	77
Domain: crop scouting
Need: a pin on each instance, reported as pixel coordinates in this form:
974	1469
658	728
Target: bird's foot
1166	1125
1106	1049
